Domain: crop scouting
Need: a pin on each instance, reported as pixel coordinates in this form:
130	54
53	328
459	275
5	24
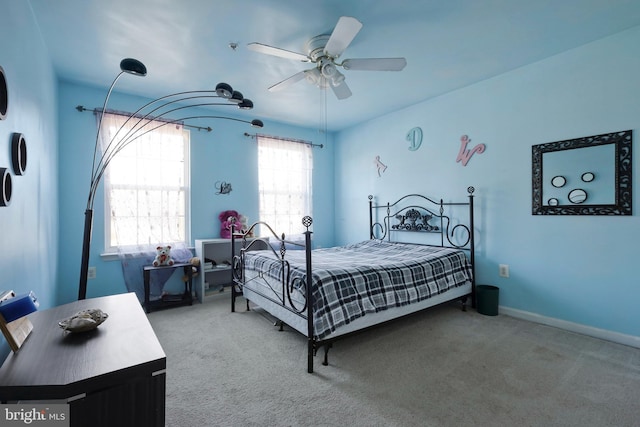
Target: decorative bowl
83	321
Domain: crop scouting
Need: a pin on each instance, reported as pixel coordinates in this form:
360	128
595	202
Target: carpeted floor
443	367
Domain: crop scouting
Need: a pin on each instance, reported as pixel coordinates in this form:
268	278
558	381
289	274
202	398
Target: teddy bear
163	256
227	218
195	265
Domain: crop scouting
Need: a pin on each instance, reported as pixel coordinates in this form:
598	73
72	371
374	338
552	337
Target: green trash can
487	298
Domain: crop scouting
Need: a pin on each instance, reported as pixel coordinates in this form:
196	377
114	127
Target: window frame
306	169
109	248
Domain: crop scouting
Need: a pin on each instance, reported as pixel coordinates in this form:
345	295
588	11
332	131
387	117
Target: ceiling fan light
323	83
328	69
236	97
257	123
224	90
337	79
246	104
312	76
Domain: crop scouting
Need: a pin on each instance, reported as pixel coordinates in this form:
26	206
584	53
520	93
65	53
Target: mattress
355	281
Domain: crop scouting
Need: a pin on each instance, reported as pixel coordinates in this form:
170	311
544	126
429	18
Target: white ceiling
185	45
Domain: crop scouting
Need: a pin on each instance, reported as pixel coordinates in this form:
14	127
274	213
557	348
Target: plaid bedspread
368	277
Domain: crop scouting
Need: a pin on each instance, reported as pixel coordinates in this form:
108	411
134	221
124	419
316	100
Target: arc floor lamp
141	122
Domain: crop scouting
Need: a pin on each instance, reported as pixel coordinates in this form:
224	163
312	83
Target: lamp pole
138	122
129	66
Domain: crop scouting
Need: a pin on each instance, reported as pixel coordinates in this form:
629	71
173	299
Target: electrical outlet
503	270
91	273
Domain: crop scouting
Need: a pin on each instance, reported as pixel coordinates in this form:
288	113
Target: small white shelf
219	276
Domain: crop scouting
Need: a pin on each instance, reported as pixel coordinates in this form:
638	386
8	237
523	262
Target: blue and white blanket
368	277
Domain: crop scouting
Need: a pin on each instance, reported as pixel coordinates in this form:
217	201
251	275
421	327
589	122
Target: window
146	186
285	171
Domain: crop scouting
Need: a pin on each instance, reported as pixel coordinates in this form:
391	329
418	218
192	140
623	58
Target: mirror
583	176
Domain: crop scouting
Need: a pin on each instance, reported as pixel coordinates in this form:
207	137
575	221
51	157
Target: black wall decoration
19	153
5	177
223	187
5	187
4	95
578	191
18	148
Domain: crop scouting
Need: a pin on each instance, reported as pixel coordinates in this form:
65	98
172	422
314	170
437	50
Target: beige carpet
443	367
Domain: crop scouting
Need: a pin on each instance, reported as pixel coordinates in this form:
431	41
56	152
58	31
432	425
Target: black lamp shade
133	66
246	104
224	90
236	97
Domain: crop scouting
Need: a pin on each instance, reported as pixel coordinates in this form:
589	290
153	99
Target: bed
361	285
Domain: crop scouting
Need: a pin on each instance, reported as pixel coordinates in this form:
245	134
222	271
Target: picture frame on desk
14	324
16	332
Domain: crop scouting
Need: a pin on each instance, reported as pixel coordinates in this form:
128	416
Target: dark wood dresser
111	376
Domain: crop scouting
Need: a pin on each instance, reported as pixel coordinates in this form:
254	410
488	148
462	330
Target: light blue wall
578	269
224	154
29	225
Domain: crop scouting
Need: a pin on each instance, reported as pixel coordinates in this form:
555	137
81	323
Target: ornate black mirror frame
623	175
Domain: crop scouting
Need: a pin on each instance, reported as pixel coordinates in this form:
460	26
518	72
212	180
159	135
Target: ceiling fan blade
375	64
276	51
342	35
341	91
287	82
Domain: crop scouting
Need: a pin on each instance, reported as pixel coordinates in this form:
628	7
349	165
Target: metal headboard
420	214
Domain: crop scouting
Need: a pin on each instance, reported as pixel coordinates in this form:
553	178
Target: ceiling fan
324	51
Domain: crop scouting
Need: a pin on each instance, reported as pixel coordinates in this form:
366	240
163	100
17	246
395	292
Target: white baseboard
604	334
